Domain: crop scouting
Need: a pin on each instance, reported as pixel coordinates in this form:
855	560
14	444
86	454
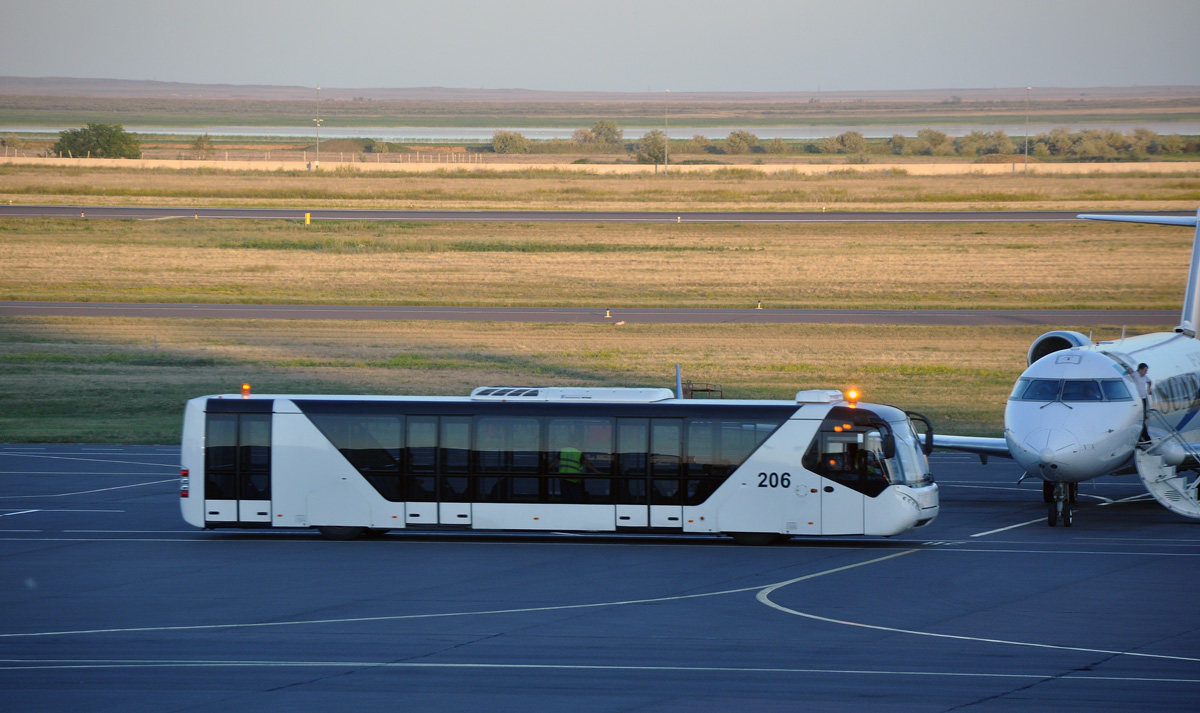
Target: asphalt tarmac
525	216
109	602
530	216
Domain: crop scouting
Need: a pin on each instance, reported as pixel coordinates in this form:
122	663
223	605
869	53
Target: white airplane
1076	414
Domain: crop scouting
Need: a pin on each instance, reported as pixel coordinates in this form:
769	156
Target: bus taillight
183	483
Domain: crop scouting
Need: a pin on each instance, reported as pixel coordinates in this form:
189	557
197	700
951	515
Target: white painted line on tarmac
1010	527
94	460
73	473
1107	502
402	617
87	492
1130	499
48	664
765	593
130	531
983	487
1146	540
25	512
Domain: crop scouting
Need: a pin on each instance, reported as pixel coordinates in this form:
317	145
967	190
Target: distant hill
113	88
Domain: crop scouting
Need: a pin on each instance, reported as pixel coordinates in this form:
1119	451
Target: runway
110	602
611	316
527	216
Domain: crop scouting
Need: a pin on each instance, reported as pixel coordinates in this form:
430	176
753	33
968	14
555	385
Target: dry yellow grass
600	266
834	188
126	379
104	380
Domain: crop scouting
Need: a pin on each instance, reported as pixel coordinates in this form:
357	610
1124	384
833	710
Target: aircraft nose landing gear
1059	496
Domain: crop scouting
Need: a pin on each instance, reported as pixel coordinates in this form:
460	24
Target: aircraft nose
1046	447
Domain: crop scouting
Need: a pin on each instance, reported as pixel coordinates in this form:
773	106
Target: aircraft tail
1191	298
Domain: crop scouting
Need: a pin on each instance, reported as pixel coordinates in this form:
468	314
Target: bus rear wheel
337	532
754	538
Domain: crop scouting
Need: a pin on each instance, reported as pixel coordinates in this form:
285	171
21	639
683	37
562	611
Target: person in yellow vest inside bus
571	464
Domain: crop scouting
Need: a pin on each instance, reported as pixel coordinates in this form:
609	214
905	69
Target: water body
424	134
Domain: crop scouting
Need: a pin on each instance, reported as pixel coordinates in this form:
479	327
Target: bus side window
633	443
666	448
422	444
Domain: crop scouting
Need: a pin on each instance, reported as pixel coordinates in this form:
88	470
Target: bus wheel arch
754	539
341	533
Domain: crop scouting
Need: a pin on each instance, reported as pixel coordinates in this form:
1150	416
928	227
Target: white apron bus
557	459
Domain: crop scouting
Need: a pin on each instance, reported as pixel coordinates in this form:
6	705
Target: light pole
1027	90
666	134
317	163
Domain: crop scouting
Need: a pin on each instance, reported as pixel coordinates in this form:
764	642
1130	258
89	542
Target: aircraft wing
982	447
1183	220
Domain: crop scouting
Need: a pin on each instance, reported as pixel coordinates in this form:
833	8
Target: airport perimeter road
108	602
618	315
526	216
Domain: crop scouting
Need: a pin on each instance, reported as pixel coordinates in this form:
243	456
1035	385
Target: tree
776	146
652	148
202	147
98	141
510	142
981	143
847	142
1173	144
938	143
602	135
740	142
607	133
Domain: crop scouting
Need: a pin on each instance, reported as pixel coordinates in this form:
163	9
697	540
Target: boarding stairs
1157	465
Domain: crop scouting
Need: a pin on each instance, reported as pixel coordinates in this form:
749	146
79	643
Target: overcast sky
613	45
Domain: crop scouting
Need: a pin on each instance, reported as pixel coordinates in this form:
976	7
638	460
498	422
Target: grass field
111	380
125	380
725	189
999	265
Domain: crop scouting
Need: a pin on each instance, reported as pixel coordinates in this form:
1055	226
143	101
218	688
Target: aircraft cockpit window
1115	390
1040	390
1081	390
1070	390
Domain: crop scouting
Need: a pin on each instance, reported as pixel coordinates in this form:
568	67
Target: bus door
237	466
649	462
666	472
454	450
632	485
843	459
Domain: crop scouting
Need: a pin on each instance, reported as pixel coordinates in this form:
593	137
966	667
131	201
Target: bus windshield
849	449
909	466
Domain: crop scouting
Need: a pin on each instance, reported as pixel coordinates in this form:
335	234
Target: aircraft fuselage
1075	414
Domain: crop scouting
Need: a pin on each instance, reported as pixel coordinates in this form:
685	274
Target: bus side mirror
927	446
889	446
